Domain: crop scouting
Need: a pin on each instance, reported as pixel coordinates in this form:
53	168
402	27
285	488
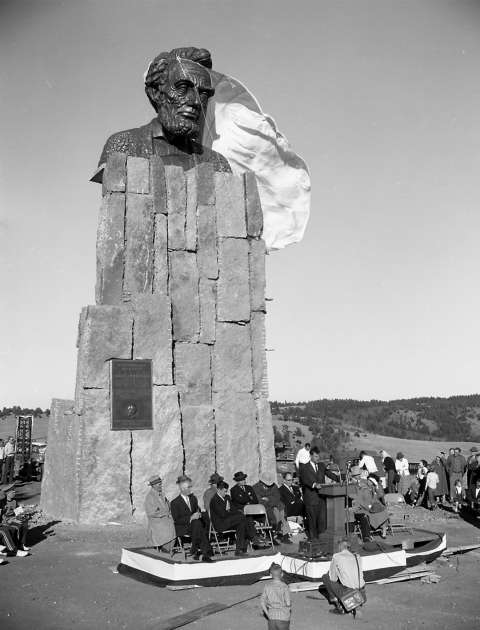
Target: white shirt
432	480
344	567
303	457
2	452
187	501
9	449
401	466
369	463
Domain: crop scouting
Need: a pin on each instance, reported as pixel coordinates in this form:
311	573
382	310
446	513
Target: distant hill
454	418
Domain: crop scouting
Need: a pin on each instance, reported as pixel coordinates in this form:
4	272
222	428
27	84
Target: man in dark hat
211	491
188	520
161	530
242	494
223	518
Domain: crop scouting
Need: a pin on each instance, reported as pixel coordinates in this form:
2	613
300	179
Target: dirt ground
69	581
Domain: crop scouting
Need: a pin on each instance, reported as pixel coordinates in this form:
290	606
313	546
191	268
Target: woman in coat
438	466
161	530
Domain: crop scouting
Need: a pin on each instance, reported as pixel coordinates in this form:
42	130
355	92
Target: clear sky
381	98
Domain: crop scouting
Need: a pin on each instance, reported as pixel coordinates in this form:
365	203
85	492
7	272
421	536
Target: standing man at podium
312	477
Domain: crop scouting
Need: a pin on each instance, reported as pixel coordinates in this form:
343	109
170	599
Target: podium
334	495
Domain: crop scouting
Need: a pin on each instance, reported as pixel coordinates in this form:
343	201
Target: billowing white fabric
249	139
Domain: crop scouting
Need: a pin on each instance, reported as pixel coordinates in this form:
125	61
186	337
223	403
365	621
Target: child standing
458	495
275	600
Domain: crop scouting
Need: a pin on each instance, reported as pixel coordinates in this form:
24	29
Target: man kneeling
345	573
223	519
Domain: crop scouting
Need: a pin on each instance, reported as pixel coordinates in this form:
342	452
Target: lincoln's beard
176	125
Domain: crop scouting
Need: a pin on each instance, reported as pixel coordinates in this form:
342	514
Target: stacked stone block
180	281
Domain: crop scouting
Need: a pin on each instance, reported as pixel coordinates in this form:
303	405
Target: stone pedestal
180	281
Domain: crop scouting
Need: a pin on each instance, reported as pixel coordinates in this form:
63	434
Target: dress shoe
240	553
259	545
287	540
22	554
196	556
276	542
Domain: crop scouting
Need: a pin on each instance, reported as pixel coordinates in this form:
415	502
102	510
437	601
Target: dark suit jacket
388	464
242	496
292	499
220	510
181	514
149	140
308	478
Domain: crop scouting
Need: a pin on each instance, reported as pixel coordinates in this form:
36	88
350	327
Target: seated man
13	528
211	491
345	573
269	495
242	494
369	510
223	518
187	519
291	497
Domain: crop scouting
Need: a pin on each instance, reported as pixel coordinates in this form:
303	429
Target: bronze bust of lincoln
178	86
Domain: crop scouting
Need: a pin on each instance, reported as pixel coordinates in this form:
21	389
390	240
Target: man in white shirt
345	572
8	461
367	461
431	484
303	456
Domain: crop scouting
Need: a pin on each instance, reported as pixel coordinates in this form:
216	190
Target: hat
154	480
474	449
355	471
239	476
215	478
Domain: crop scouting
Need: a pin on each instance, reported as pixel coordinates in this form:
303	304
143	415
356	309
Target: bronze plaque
131	394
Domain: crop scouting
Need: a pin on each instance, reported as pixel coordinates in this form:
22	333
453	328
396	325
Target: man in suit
224	518
188	520
242	494
473	496
291	497
312	477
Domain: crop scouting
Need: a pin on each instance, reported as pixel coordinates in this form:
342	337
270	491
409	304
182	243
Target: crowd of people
449	480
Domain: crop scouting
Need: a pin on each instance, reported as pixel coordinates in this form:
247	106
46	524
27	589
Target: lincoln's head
178	86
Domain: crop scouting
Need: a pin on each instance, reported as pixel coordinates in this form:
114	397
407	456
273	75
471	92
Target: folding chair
257	511
181	544
221	541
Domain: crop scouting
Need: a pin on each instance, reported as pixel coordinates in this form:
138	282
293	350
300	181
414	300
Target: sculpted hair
157	72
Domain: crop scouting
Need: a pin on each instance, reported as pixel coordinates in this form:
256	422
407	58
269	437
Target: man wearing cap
242	494
268	494
188	520
161	530
211	491
312	477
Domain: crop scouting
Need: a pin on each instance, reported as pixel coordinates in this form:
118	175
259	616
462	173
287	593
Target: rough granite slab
207	241
183	287
257	274
230	204
103	464
115	173
158	452
110	249
205	184
139	234
191	211
232	358
192	368
138	175
254	206
259	356
158	185
236	434
265	438
106	334
208	309
233	287
176	206
160	255
199	444
152	334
